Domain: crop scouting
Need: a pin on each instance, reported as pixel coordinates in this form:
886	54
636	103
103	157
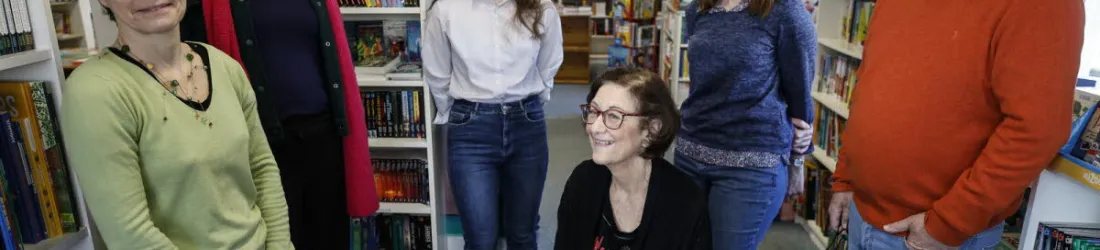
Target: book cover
413	41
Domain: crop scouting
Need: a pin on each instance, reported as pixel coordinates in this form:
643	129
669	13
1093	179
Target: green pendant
190	57
173	92
175	83
125	48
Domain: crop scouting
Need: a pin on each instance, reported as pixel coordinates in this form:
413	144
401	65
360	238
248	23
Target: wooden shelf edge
572	81
380	10
832	102
387	142
404	208
826	161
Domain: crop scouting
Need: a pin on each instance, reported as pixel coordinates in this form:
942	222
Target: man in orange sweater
960	105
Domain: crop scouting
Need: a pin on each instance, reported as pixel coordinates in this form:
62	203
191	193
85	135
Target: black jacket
675	215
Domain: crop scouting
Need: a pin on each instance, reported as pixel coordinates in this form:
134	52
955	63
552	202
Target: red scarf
362	198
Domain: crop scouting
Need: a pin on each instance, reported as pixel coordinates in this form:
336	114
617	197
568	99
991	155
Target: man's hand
918	239
838	210
803	134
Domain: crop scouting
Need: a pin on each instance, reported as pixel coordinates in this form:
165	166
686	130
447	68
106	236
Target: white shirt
476	51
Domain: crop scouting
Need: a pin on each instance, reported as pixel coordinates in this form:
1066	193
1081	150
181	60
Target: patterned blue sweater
749	76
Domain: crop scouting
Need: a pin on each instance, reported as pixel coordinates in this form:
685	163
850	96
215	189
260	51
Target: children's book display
635	34
1080	156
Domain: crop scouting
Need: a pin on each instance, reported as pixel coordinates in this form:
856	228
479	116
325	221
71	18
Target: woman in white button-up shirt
490	65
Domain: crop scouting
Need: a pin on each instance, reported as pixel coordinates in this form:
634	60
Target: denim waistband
528	102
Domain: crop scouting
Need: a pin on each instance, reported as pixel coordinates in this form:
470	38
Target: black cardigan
675	215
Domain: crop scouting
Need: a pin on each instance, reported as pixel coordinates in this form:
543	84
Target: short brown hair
654	102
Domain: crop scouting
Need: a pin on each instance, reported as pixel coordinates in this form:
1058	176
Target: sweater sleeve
691	13
100	124
1035	61
551	50
569	211
796	52
436	56
265	172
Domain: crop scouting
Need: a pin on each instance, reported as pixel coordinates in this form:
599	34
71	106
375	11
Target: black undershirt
608	235
202	53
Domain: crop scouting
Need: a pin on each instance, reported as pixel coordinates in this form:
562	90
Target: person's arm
265	173
1035	61
568	208
551	52
795	55
436	55
691	12
100	125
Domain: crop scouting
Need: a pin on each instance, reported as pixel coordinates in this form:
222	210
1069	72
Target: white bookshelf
81	33
829	16
670	23
409	148
44	64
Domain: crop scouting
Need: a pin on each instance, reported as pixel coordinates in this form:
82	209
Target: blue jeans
743	200
863	236
497	160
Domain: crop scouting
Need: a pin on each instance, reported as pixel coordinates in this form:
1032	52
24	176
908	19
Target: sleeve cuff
842	186
942	231
441	117
544	96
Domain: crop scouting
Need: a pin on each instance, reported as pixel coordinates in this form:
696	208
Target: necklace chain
174	86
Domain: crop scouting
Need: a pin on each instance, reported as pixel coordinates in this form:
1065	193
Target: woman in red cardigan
298	60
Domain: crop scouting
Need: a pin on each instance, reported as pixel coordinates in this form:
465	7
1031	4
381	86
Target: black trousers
311	164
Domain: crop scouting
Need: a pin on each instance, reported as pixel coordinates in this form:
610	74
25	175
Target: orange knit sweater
959	106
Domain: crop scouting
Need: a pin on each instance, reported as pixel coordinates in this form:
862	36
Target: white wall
1090	54
105	29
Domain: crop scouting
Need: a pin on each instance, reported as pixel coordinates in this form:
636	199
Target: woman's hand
803	134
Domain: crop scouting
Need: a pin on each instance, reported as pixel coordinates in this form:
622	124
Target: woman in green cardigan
166	142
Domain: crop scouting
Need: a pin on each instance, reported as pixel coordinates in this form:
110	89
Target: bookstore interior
1059	209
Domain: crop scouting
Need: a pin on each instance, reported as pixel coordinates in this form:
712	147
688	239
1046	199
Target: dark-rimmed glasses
612	118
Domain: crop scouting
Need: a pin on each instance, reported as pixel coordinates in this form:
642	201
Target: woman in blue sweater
751	69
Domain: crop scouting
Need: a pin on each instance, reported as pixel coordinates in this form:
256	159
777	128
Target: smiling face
146	16
614	145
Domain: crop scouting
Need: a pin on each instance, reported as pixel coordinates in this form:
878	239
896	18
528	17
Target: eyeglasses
612	118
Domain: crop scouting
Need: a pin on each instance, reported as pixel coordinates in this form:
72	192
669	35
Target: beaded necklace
174	86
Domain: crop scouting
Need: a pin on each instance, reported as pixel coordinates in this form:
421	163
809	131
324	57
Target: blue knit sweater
749	76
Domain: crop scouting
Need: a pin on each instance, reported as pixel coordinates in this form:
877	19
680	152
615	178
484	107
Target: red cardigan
362	198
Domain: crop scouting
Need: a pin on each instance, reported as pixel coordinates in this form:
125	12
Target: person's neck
730	4
631	175
161	50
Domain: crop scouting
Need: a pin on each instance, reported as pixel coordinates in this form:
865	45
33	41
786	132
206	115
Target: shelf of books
811	208
40	206
633	25
842	27
384	36
673	65
1061	212
72	21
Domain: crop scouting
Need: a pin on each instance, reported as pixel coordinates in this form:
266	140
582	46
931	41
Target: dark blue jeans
743	200
863	236
497	160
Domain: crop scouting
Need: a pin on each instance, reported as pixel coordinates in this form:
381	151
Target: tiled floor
569	146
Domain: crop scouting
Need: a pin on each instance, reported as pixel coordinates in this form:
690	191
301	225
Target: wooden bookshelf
576	44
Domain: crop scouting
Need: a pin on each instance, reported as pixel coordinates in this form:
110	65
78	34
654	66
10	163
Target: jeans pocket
458	117
987	239
534	113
